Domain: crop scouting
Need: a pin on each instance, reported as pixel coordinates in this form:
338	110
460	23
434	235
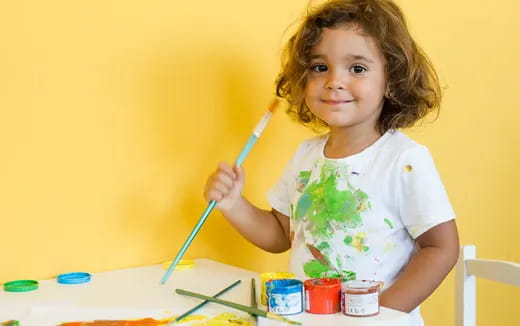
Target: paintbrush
192	310
251	310
241	157
254	318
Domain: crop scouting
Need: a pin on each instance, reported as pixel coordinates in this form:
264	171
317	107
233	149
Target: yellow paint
408	168
191	318
114	113
358	241
225	319
183	265
389	246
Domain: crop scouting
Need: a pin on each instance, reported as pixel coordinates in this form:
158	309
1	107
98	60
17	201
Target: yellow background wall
113	113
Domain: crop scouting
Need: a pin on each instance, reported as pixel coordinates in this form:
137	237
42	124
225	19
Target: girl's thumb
240	173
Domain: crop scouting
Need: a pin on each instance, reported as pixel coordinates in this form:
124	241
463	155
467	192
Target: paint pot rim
286	284
361	284
324	282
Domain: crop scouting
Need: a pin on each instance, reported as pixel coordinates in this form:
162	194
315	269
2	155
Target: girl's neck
344	142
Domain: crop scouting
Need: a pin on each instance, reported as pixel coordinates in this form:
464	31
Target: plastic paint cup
269	276
360	298
285	296
322	295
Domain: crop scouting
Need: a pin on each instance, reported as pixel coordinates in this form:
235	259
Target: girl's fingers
227	169
222	188
214	195
239	172
223	178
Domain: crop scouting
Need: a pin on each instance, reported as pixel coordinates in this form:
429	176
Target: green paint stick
251	310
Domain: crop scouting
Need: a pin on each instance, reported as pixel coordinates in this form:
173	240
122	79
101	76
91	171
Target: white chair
467	269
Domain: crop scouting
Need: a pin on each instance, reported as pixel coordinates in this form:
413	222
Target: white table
137	293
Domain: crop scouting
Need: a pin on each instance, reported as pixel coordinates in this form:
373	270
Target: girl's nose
335	82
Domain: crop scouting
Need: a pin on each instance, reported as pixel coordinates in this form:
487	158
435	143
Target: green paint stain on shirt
339	263
348	240
323	245
389	223
322	203
304	177
315	269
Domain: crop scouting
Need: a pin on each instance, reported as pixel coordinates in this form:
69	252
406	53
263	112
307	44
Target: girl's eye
357	69
319	68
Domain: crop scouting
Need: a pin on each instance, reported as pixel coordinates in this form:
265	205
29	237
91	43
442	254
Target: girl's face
346	82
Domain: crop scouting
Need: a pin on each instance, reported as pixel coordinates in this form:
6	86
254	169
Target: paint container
322	295
269	276
285	297
360	298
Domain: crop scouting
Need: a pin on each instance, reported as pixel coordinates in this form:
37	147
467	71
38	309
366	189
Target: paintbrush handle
254	137
251	310
253	293
204	303
245	150
188	241
241	157
254	318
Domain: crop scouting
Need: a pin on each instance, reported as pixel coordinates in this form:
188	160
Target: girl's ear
388	93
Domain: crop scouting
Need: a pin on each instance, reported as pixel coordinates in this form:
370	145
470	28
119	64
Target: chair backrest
467	269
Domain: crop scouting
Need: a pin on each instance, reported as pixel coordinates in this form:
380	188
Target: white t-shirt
357	217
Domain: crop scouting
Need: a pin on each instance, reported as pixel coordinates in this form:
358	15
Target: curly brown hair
413	84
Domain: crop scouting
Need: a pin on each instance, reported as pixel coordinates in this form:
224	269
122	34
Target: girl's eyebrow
348	56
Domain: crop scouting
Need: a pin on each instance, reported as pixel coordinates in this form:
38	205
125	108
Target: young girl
363	201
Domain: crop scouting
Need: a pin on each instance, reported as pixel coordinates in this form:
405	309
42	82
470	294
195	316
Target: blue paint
285	297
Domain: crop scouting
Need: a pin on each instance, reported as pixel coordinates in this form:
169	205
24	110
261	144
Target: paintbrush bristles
274	105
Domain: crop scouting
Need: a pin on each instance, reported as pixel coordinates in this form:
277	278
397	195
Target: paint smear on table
10	323
224	319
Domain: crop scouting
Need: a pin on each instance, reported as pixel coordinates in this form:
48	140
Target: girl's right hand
225	186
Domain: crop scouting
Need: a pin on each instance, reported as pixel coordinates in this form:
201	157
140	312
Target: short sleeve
423	201
279	195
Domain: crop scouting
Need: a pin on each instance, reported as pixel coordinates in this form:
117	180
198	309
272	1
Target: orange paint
138	322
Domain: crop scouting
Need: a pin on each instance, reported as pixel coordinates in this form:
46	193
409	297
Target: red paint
322	295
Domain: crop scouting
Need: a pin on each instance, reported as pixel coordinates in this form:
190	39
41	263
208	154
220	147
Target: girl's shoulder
403	150
315	141
398	144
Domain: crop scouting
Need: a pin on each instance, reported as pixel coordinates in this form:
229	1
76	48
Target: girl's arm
268	230
438	253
